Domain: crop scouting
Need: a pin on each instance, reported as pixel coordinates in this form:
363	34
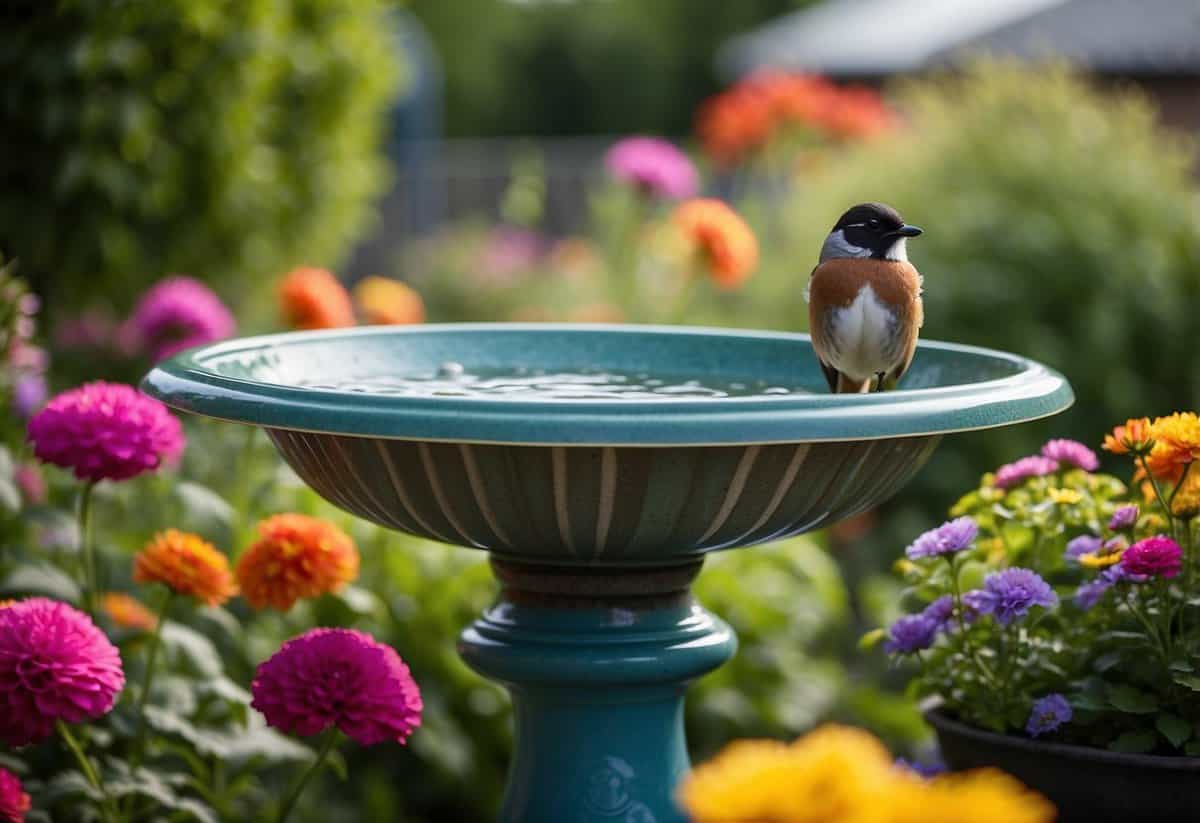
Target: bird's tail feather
847	386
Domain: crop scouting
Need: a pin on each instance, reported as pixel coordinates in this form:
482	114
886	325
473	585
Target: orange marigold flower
735	123
388	302
295	556
1186	502
1176	444
720	238
6	603
188	565
313	298
128	612
1134	436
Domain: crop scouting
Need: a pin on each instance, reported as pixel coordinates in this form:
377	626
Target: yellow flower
188	565
1176	444
1186	502
128	612
1065	497
1099	560
996	551
905	566
834	775
984	796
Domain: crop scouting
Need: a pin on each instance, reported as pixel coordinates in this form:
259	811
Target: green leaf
872	639
971	575
41	579
1190	681
10	495
69	784
205	511
1131	700
197	649
1134	742
1106	661
1192	749
1174	728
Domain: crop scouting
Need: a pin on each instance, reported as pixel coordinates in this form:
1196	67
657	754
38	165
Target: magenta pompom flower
105	431
654	166
14	802
1017	472
342	678
1071	453
1157	556
54	665
949	538
177	313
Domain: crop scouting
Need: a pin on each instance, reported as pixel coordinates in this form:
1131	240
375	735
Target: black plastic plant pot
1088	785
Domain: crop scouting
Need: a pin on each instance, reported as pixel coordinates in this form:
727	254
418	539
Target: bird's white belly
862	337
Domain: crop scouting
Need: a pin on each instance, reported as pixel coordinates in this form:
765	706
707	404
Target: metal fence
445	181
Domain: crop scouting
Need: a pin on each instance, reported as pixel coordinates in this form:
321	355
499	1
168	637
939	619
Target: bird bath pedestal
597	511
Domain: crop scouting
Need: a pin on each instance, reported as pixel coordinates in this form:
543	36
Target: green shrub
227	139
1062	223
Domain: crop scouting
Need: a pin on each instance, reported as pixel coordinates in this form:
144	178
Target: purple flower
1048	714
1157	556
949	538
1017	472
1119	574
654	166
1123	518
1084	544
940	611
177	313
54	665
1089	594
29	394
105	431
1073	453
342	678
910	634
1010	594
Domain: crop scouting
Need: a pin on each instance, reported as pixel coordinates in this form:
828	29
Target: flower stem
87	555
331	738
1162	501
89	771
139	743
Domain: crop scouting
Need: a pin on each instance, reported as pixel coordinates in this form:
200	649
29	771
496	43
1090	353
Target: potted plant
1057	625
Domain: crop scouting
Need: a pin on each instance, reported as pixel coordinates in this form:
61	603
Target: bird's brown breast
897	284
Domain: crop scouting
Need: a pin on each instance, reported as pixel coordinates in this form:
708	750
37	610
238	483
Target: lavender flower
910	634
940	611
949	538
1089	594
29	394
654	166
1048	714
1084	544
1123	518
1009	595
1017	472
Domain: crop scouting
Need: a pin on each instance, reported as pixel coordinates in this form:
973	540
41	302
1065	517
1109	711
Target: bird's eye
873	223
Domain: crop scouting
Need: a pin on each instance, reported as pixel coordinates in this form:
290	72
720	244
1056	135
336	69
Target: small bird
864	300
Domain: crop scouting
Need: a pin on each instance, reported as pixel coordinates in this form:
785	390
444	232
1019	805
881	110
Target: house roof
883	37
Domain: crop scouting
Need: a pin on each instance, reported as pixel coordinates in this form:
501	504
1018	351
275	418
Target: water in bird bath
452	380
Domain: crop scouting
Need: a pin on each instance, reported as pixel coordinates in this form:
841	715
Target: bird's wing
816	334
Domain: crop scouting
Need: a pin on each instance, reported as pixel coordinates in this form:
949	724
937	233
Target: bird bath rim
192	381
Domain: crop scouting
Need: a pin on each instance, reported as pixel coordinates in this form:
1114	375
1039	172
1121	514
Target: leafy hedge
230	139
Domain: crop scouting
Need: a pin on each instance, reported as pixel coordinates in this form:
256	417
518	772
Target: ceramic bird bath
597	465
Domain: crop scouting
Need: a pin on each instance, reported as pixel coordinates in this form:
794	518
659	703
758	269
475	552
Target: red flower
1157	556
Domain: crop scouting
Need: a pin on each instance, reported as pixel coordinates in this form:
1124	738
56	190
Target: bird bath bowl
596	465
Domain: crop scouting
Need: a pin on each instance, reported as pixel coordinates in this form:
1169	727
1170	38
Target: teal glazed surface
258	380
597	514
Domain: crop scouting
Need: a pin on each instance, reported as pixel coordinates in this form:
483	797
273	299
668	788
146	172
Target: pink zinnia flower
1015	473
1072	453
342	678
105	431
654	166
54	665
14	802
1157	556
177	313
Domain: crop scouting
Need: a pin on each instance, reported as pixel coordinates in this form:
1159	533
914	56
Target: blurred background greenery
457	145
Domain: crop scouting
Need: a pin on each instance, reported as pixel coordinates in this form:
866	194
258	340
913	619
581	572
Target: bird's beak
908	231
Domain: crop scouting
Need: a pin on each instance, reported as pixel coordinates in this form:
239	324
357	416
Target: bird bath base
597	664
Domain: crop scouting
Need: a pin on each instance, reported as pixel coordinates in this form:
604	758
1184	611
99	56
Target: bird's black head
869	230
